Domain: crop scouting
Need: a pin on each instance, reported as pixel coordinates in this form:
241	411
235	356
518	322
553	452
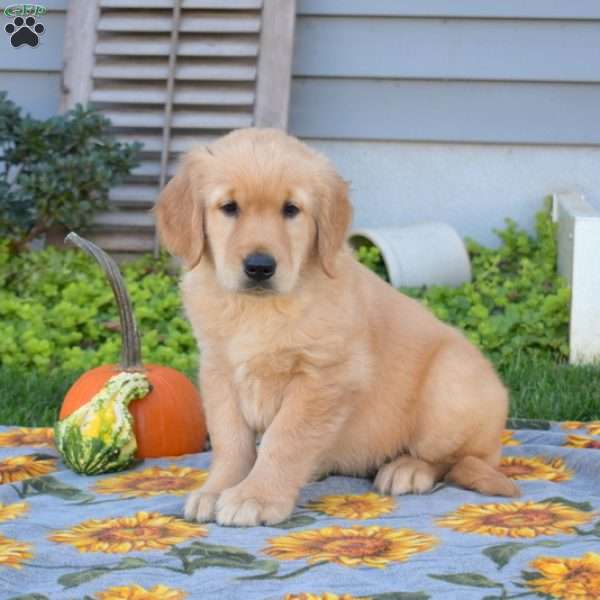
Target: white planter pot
424	254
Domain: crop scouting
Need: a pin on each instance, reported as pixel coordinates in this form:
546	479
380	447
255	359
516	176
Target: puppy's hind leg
463	409
475	474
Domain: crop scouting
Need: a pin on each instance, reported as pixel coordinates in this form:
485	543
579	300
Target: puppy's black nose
259	267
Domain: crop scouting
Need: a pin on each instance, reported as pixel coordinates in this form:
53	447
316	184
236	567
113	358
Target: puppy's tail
475	474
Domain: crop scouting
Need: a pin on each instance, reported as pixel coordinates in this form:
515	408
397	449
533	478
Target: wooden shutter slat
132	21
219	70
151	168
134	193
187	4
145	118
141	45
124	241
193	95
125	219
179	142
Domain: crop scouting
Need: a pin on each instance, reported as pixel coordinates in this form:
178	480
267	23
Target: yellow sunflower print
573	425
568	578
12	511
508	440
142	531
137	592
357	506
13	553
581	441
325	596
535	467
17	468
28	436
593	427
516	520
153	481
351	547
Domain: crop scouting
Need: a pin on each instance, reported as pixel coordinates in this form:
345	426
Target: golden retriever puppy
339	372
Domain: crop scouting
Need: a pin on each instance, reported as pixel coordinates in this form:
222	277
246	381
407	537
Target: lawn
556	392
539	390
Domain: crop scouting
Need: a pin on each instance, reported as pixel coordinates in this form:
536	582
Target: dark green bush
57	171
516	302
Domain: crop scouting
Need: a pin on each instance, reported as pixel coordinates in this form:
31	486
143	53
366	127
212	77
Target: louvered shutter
219	54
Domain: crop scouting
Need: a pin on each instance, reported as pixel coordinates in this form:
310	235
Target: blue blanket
122	536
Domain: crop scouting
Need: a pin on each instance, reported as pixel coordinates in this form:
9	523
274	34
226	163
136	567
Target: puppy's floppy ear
179	215
333	220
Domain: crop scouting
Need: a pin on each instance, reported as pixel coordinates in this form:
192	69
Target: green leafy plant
369	255
57	312
516	302
56	172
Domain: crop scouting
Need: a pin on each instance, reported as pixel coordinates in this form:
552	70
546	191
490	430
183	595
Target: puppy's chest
264	360
260	384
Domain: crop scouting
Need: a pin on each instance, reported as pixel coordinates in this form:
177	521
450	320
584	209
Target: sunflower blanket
121	536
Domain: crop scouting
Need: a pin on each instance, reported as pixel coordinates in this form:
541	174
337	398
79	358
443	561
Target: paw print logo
24	31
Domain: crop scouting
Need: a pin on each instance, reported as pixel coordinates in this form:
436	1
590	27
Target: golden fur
337	370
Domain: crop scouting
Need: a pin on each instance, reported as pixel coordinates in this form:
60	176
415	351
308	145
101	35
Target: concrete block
579	264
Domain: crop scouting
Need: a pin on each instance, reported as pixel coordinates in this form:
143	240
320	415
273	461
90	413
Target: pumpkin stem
131	354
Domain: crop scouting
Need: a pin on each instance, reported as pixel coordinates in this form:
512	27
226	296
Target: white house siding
32	76
455	110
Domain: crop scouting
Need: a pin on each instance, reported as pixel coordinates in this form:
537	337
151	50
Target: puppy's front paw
244	507
200	506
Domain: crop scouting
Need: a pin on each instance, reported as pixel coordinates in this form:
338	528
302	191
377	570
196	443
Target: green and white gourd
98	437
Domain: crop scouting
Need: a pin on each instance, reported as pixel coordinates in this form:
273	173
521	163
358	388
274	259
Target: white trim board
579	264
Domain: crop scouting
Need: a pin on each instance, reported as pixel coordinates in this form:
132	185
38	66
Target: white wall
471	186
455	110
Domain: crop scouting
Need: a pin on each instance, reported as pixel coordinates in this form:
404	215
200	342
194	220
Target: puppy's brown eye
231	209
290	210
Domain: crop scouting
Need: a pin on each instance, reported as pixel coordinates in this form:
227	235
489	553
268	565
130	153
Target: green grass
556	392
539	390
33	399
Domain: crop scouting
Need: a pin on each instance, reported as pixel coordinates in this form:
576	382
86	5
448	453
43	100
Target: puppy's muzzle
259	267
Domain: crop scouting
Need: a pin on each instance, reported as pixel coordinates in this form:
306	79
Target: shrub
370	256
57	171
58	312
515	303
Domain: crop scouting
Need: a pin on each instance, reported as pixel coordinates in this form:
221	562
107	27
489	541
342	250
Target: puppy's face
260	229
260	206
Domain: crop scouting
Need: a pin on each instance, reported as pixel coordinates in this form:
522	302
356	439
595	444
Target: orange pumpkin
169	421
